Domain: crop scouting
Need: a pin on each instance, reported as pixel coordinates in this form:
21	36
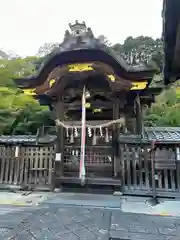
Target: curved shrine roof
80	46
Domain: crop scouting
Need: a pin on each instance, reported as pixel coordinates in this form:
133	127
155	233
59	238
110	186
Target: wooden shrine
115	95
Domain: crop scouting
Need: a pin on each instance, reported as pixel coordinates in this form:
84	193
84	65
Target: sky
28	24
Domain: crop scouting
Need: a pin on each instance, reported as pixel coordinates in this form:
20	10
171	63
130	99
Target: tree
139	50
46	49
13	68
165	111
20	113
104	40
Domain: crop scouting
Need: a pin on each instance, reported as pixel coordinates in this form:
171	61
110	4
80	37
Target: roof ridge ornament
79	29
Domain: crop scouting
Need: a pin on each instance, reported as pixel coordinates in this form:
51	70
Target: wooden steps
90	181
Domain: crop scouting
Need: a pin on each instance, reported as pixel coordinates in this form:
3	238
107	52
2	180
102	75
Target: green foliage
141	50
19	113
166	110
13	68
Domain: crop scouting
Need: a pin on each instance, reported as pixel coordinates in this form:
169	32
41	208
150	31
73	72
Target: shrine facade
97	101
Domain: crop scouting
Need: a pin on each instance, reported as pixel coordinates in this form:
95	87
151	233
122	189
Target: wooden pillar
59	109
116	159
139	116
130	120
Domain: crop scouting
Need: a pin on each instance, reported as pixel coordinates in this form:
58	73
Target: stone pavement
58	222
22	198
54	220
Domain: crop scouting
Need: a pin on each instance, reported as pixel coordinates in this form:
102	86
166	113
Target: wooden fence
144	171
27	166
147	171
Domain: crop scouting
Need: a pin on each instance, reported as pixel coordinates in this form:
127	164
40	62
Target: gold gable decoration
80	67
51	82
139	85
30	92
136	86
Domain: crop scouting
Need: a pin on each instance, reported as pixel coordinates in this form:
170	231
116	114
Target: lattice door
98	154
